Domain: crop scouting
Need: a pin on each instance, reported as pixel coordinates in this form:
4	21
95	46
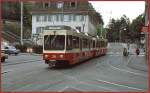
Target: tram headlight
61	56
46	56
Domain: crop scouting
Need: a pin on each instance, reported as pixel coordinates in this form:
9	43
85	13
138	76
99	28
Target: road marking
129	60
76	89
89	84
81	82
120	85
126	70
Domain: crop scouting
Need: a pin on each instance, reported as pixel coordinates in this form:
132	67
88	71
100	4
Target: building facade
77	14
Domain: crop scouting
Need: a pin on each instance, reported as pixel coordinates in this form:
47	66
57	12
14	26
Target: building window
54	17
66	18
73	4
46	5
49	18
61	17
74	17
82	18
37	18
70	17
45	18
57	17
39	30
60	5
42	18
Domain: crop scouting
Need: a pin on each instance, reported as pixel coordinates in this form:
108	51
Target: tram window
85	43
69	42
93	43
80	44
75	42
102	44
89	41
54	42
98	44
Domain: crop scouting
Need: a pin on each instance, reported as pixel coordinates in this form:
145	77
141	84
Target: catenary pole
21	23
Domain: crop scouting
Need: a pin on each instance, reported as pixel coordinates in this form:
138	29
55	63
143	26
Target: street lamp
124	29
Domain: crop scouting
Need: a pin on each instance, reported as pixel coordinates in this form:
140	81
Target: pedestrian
137	51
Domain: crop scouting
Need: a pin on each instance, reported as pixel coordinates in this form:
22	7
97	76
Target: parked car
11	50
3	56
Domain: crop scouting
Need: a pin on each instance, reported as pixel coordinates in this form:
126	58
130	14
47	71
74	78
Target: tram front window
54	42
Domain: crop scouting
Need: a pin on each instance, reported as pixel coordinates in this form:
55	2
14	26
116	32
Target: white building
66	13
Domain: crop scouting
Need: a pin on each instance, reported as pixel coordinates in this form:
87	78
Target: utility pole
120	31
101	30
148	23
21	23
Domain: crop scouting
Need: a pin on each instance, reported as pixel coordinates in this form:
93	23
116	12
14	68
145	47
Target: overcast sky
115	9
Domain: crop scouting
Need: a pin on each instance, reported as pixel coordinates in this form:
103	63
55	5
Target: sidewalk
138	63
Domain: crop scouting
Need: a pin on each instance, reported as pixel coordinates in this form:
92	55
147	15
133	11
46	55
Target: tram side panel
76	48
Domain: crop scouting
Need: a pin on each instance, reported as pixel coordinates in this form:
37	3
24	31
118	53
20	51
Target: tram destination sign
54	27
57	27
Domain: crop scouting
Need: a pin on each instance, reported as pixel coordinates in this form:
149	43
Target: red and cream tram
64	45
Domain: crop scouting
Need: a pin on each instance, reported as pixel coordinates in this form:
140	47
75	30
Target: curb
30	61
31	54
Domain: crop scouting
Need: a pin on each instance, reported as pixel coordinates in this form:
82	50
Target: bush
38	49
35	49
22	48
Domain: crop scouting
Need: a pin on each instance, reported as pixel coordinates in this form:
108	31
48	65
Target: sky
115	9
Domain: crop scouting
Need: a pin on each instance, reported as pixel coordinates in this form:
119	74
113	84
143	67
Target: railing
10	36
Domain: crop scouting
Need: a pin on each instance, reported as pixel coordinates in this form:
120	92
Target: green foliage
98	28
122	29
118	30
13	27
22	48
12	16
12	11
135	27
38	49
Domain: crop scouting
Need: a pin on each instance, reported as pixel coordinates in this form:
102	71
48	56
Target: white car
11	50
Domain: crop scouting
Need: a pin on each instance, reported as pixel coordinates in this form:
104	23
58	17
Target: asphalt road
29	73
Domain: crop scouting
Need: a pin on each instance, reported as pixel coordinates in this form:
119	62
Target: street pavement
110	73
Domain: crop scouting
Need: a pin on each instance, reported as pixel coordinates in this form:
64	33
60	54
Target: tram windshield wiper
47	38
54	38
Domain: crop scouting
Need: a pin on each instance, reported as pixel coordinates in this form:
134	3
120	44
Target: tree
118	29
99	30
12	11
135	27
